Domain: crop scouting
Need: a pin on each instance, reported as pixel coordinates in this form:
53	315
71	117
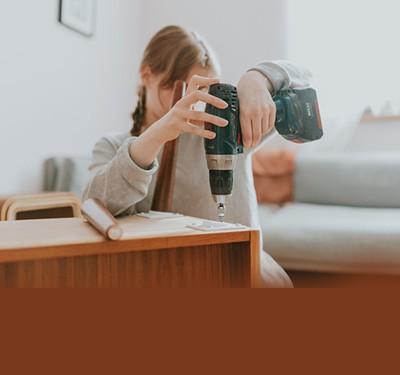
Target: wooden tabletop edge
127	245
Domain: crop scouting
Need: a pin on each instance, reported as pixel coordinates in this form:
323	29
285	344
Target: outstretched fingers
197	117
198	82
200	96
199	131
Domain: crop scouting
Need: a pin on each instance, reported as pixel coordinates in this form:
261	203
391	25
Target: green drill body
297	120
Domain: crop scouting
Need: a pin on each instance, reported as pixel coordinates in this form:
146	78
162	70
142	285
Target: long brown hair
172	53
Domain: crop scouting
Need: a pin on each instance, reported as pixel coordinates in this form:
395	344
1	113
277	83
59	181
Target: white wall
352	47
242	32
59	91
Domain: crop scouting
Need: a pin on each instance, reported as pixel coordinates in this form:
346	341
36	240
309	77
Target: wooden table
153	253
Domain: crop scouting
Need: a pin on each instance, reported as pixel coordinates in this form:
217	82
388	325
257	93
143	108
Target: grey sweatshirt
128	189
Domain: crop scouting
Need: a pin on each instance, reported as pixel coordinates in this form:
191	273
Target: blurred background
327	208
60	90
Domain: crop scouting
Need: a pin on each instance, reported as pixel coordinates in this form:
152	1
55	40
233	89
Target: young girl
124	166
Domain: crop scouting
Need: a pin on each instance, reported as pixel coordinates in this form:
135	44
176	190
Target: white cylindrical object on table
100	218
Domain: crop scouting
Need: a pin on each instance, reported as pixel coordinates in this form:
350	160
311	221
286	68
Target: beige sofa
345	217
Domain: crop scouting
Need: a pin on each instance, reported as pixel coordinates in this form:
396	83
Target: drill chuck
221	182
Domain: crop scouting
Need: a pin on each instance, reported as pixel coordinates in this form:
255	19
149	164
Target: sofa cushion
273	175
333	238
363	180
274	190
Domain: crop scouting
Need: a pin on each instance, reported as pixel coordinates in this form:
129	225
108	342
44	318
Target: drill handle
280	110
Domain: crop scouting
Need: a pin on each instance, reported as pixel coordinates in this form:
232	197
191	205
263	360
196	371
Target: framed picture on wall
78	15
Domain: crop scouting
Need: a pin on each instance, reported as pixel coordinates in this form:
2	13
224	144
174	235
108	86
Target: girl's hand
183	118
257	108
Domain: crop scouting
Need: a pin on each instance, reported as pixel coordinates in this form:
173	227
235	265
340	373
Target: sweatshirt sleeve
116	179
284	75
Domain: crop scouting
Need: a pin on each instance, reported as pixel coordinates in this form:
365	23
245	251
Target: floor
325	280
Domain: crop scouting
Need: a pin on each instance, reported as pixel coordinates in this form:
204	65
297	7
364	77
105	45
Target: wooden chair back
39	206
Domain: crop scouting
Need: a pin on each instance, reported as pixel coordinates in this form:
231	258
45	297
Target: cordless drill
297	120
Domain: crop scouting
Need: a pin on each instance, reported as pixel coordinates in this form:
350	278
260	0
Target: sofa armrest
363	180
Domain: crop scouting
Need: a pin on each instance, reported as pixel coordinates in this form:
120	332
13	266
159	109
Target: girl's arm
122	174
116	179
256	89
283	75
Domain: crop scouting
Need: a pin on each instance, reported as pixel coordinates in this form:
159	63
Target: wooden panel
42	233
72	237
371	118
255	259
226	265
153	253
71	231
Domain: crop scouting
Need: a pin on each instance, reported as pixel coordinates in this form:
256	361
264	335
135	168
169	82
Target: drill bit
221	212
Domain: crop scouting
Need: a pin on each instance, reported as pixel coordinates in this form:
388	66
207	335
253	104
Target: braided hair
138	116
172	53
